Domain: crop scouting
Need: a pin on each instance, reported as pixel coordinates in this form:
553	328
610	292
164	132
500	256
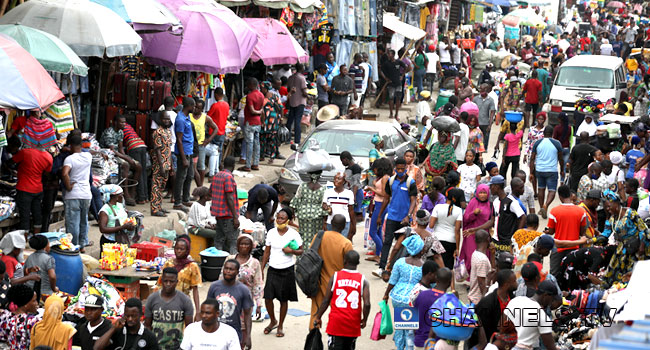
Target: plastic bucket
210	273
514	117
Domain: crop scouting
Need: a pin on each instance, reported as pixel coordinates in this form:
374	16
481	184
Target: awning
393	23
307	6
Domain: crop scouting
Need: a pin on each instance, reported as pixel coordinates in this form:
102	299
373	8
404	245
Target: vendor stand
128	281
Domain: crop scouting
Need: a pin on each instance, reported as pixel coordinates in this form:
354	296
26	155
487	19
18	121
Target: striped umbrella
25	83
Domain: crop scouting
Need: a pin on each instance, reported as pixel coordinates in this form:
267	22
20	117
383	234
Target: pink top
380	193
513	143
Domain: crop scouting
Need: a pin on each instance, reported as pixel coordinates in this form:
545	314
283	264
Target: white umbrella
143	13
88	28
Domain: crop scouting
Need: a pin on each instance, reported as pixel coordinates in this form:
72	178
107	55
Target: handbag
121	237
314	340
460	270
386	319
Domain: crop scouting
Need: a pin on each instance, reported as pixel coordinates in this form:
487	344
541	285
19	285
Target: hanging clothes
60	115
424	15
374	13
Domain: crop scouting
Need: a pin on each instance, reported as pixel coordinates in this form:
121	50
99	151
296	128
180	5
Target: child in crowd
632	197
480	268
513	151
633	155
43	264
470	174
199	220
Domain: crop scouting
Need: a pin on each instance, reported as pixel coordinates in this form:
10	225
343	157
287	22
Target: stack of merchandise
589	105
7	207
103	168
150	266
114	256
113	302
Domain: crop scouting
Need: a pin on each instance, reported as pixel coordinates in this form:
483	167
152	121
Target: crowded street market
397	174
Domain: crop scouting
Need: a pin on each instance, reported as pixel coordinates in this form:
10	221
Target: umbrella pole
99	92
74	115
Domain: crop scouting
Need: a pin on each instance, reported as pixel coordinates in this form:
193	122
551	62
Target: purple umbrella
214	40
276	45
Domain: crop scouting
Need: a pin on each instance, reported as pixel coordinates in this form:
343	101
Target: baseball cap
547	287
505	258
635	140
593	194
546	241
497	180
94	301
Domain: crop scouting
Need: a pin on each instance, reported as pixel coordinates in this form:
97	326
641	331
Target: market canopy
88	28
25	83
52	53
296	5
275	44
214	40
523	17
150	13
396	25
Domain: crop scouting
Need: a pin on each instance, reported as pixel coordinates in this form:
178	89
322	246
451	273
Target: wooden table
130	286
125	272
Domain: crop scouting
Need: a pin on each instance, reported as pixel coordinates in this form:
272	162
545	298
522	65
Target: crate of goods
162	241
114	256
128	290
148	251
466	44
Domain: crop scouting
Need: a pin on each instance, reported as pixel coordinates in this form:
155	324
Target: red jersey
345	313
532	88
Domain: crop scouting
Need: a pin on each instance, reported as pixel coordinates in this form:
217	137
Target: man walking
225	207
391	73
357	73
342	87
544	159
205	131
297	86
580	157
339	200
568	222
235	301
532	88
347	316
333	248
253	125
184	150
210	333
530	319
322	87
128	332
161	163
402	193
168	312
219	112
486	111
75	175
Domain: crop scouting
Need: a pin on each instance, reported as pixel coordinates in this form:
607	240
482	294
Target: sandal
279	334
269	329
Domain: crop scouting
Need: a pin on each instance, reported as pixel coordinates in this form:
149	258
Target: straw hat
328	112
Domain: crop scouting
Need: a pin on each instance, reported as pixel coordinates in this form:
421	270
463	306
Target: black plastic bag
314	340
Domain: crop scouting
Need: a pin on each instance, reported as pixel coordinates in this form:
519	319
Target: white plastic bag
313	159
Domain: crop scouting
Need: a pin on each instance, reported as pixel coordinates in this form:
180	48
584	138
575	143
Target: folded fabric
39	133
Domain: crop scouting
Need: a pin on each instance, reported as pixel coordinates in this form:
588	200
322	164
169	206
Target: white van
600	77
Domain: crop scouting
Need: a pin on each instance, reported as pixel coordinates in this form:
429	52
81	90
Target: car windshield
335	141
585	77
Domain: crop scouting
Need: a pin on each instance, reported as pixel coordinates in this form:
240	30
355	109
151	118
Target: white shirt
172	117
461	148
445	228
563	44
529	319
433	58
606	49
199	215
421	110
224	338
445	56
277	258
468	179
455	54
79	164
339	202
366	76
616	176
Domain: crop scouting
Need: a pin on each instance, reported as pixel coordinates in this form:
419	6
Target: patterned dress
250	274
436	163
309	210
475	141
15	329
534	134
403	277
271	114
188	278
162	139
625	229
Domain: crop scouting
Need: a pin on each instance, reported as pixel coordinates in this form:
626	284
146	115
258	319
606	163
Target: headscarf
50	330
590	128
180	263
246	235
110	190
422	220
470	220
612	196
413	244
483	188
489	166
267	85
616	157
376	139
12	240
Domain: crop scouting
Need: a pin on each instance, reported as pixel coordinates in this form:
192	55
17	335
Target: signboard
406	318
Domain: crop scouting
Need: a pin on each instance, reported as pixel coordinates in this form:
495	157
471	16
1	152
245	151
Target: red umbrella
616	4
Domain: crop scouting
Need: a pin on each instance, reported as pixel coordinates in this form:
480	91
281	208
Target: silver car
354	136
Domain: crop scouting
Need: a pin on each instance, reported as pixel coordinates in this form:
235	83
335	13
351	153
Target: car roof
595	61
357	125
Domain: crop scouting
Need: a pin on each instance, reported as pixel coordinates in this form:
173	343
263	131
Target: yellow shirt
199	127
189	277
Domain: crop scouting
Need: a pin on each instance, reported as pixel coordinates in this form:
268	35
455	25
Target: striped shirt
131	138
339	202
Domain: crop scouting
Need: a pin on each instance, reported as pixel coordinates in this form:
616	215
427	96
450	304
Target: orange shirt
567	220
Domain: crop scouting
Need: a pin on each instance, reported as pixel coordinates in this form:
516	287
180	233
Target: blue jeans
218	141
252	136
374	230
76	220
418	77
547	180
345	230
293	120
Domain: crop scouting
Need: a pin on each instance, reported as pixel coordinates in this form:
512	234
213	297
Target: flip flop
279	334
268	330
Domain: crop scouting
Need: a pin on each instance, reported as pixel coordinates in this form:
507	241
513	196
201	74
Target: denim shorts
547	180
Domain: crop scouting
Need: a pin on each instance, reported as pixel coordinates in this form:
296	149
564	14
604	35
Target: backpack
308	268
408	181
